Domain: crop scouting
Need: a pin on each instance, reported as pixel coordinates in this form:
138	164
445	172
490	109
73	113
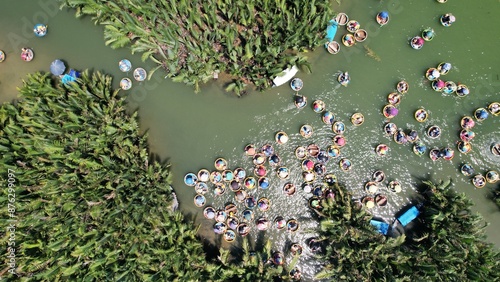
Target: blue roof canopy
409	215
381	226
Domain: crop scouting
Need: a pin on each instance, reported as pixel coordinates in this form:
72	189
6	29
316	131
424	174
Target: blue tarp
381	226
409	215
67	79
331	30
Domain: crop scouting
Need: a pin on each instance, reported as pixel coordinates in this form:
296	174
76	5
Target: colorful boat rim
328	117
215	177
421	115
434	132
231	209
27	54
240	196
345	164
467	170
447	153
338	127
199	200
140	74
2	56
203	175
481	114
462	90
300	101
235	185
394	98
209	213
342	19
274	160
467	135
348	40
40	30
250	202
301	152
479	181
307	165
220	228
494	108
353	26
220	164
492	176
281	137
449	87
322	157
444	68
333	47
125	65
279	222
318	106
360	35
382	18
412	136
467	122
227	175
357	119
125	83
378	176
296	84
428	34
249	182
220	189
432	74
264	204
267	149
239	174
402	87
447	20
417	42
306	131
400	137
259	159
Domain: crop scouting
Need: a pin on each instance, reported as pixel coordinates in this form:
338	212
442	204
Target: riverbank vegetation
249	41
446	242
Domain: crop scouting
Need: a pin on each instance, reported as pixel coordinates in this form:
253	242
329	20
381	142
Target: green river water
192	130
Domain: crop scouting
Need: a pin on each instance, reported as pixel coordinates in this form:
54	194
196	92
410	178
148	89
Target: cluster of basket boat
27	54
428	34
448	87
139	74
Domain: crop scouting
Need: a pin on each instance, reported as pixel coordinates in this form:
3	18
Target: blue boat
331	30
381	226
409	216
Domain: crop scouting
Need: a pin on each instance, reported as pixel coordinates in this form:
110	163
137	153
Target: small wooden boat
267	149
382	150
231	210
274	160
263	183
264	204
40	30
389	111
262	223
492	176
209	213
494	108
259	159
318	106
307	165
333	47
428	34
190	179
319	169
283	172
227	175
419	148
417	42
390	128
481	114
464	147
215	177
462	90
341	18
369	202
308	176
447	19
348	40
382	18
289	189
434	154
360	35
235	185
203	175
394	98
333	151
432	74
306	131
421	115
140	74
467	135
442	1
125	83
378	176
467	170
300	101
201	188
412	136
125	65
239	174
371	187
296	250
339	140
296	84
467	122
243	229
400	137
381	200
2	56
402	87
357	119
495	149
344	79
220	189
345	164
279	222
438	85
338	127
353	26
313	150
260	171
27	54
240	196
250	150
249	182
220	164
281	137
247	215
229	236
233	222
301	152
292	225
394	186
479	181
434	132
250	202
322	157
444	68
199	200
328	117
447	153
220	228
278	258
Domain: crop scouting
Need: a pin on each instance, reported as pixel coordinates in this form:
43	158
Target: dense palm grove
445	244
251	41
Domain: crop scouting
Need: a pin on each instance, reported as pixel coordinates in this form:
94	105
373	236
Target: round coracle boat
435	154
264	204
239	174
400	137
342	19
292	225
378	176
190	179
307	165
260	171
281	137
318	106
125	83
27	54
467	135
442	1
492	176
301	152
306	131
390	128
235	185
140	74
220	228
249	182
417	42
289	189
368	202
382	150
199	200
371	187
319	169
447	19
419	148
412	136
296	250
278	258
315	203
495	149
344	79
330	179
434	132
428	34
259	159
481	114
421	115
279	222
333	47
464	147
243	229
220	164
432	74
308	176
220	189
360	35
394	98
345	164
438	85
247	215
40	30
313	150
263	183
300	101
125	65
250	150
382	18
283	172
390	111
348	40
328	117
240	196
353	26
467	170
357	119
203	175
494	108
402	87
201	188
296	84
394	186
447	153
267	149
333	151
444	68
338	127
250	202
467	122
2	56
227	175
231	210
479	181
381	200
323	157
215	177
229	236
462	90
274	160
339	141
